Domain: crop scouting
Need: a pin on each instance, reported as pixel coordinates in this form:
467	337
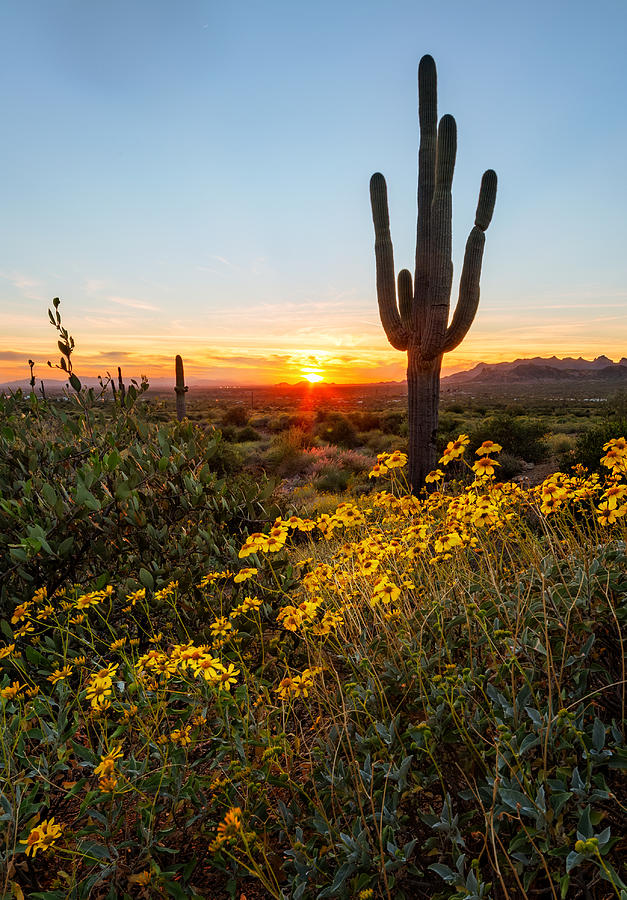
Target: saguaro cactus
180	388
418	320
121	386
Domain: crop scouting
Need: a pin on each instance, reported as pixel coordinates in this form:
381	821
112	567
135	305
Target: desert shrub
616	407
364	420
377	442
259	420
589	445
101	491
519	436
332	479
566	425
337	429
235	415
561	443
354	461
331	468
449	425
229	433
284	421
248	433
509	466
394	421
285	456
94	490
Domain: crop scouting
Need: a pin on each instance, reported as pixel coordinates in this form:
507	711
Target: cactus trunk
423	395
180	389
416	318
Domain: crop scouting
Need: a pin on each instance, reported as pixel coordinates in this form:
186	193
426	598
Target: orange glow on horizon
263	359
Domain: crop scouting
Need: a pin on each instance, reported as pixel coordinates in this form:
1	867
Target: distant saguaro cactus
418	321
180	388
121	386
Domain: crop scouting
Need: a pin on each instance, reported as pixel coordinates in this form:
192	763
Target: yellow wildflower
60	674
181	736
12	691
386	591
251	603
454	449
485	466
221	627
227	677
614	493
107	761
231	825
488	447
245	574
42	837
98	692
44	613
20	612
607	514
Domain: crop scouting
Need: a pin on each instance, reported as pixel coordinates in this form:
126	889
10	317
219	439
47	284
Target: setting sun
312	376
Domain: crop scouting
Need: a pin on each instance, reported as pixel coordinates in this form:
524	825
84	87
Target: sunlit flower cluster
150	690
387	461
291	687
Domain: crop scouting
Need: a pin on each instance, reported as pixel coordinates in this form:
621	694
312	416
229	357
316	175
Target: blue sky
193	178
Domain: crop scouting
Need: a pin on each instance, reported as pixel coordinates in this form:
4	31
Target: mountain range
525	371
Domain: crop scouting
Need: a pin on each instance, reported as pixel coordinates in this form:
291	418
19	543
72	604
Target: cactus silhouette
121	386
418	320
180	388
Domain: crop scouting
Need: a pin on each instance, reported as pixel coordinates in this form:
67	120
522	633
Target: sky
192	177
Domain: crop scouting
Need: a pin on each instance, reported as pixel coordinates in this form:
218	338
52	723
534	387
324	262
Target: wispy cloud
26	284
132	303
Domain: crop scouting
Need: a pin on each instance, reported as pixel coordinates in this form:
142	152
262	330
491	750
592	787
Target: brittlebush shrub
404	697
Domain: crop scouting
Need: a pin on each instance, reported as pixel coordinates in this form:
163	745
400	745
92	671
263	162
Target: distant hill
538	369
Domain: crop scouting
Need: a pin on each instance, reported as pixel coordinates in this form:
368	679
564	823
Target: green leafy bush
335	428
589	444
518	435
92	489
235	415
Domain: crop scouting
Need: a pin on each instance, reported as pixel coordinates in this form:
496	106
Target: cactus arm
440	264
487	199
468	300
469	283
384	254
428	117
405	297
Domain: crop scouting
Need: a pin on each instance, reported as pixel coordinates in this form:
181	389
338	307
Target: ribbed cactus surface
415	316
